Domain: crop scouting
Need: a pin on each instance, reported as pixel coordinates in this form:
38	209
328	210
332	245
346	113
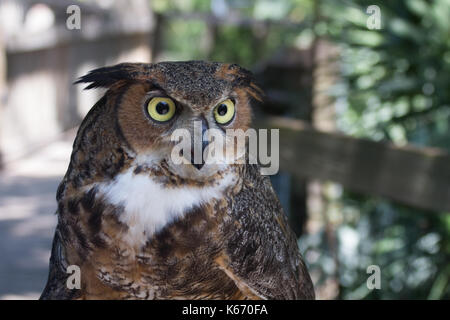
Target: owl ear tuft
106	77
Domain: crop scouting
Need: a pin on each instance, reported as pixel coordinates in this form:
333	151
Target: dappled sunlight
27	218
35	226
24	296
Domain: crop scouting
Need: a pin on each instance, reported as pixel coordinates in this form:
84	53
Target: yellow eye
224	112
161	109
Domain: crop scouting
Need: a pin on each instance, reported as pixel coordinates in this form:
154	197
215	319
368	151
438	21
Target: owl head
146	103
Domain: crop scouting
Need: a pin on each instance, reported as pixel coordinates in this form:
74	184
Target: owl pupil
162	107
222	110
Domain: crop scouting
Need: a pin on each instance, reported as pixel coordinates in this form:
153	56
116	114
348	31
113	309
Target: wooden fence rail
419	177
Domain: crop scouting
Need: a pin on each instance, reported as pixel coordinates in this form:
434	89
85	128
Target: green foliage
161	6
244	43
184	43
395	79
241	46
411	247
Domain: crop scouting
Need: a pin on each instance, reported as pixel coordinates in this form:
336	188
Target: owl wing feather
56	287
261	254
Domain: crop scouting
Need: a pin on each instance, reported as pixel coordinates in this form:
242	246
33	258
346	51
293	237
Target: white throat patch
149	206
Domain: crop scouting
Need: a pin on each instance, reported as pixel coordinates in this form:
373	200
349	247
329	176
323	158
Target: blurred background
363	111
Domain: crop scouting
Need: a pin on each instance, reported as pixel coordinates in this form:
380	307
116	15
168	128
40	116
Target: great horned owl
140	227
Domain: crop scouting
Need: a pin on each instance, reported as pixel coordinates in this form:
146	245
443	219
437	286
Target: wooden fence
418	177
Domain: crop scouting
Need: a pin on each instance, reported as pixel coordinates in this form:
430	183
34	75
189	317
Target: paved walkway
27	220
